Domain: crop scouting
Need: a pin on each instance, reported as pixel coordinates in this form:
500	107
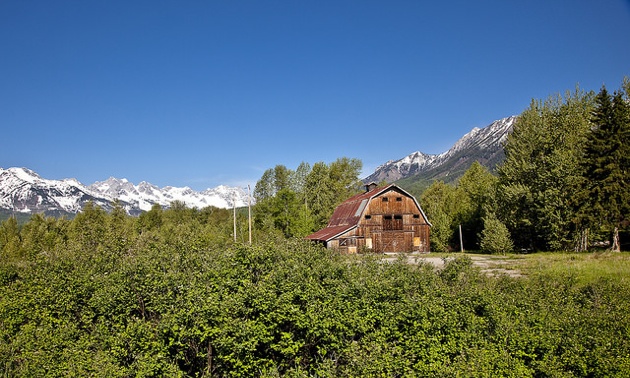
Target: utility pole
249	208
234	207
461	240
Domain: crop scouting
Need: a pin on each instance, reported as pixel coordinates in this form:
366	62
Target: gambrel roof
348	214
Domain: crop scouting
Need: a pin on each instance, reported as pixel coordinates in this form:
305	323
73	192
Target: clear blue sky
203	93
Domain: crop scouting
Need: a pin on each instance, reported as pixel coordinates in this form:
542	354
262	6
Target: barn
382	219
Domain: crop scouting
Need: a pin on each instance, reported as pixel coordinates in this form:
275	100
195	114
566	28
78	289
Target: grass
586	267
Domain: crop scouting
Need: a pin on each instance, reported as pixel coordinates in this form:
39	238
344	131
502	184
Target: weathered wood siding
392	222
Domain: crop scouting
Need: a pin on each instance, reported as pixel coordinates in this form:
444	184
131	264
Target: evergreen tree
606	178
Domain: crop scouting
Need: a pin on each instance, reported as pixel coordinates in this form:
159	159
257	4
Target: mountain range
484	145
23	191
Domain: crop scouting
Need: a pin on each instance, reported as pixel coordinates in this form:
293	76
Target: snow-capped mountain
484	145
24	191
144	195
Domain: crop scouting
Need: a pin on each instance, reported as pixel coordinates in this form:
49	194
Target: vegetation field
170	294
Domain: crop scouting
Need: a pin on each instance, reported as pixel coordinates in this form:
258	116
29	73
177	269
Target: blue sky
203	93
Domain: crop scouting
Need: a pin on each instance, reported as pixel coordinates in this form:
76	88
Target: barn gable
382	219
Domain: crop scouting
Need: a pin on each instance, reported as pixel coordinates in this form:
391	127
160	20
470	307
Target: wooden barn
382	219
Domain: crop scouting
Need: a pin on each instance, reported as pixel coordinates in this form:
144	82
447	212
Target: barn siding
389	220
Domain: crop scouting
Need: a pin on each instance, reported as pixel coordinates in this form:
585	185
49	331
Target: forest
174	292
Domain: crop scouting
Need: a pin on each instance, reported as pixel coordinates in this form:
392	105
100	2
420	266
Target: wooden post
461	240
234	206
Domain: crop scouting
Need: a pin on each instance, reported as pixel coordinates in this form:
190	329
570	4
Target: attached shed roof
329	233
348	214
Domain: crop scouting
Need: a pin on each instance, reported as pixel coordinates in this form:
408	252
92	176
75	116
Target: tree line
564	184
298	202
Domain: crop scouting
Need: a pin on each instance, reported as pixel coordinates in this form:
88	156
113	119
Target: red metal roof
347	215
328	233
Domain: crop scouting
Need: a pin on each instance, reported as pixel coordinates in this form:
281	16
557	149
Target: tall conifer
606	165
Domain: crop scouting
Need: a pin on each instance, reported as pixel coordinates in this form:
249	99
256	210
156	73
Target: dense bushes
173	297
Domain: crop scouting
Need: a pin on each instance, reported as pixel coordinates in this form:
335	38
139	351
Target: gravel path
491	265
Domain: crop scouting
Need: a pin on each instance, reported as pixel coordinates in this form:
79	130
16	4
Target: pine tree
605	161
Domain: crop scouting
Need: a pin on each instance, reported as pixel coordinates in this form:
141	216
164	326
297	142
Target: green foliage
495	237
296	203
478	187
564	180
169	294
465	204
10	239
441	204
605	196
566	172
541	173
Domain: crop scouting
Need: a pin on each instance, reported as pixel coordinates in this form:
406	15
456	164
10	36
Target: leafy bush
495	237
175	298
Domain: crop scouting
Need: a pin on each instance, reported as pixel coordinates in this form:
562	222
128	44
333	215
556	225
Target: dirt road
489	264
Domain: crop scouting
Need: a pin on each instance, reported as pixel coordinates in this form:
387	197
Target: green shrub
495	237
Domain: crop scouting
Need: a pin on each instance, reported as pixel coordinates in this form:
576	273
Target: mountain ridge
24	191
480	144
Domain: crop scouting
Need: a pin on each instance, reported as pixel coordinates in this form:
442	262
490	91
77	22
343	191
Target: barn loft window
416	216
385	199
398	199
368	217
387	217
397	216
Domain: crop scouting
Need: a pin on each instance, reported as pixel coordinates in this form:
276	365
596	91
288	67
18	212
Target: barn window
416	216
368	217
398	199
385	199
392	223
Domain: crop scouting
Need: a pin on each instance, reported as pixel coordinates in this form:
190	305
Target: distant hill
418	170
